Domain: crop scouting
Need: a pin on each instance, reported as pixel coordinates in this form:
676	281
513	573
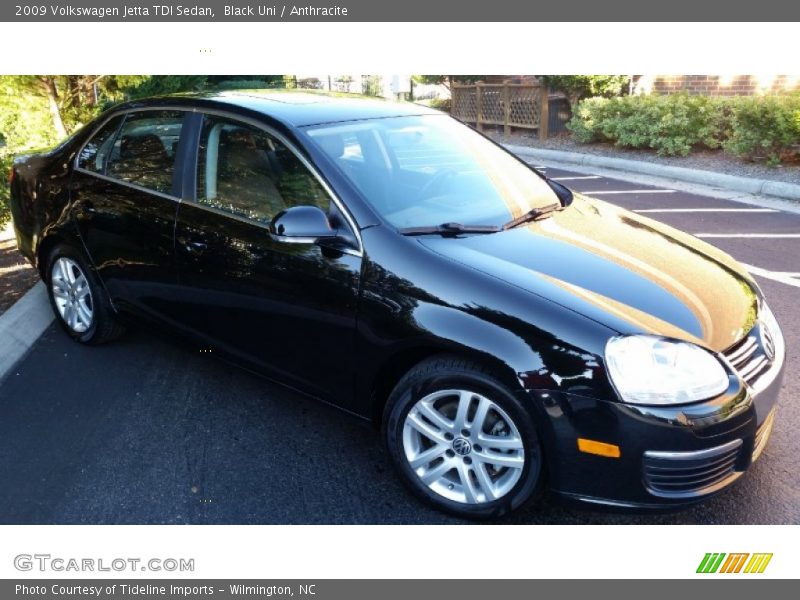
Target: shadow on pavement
16	275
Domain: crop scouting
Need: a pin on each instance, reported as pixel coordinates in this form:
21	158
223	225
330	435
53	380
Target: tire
439	386
78	299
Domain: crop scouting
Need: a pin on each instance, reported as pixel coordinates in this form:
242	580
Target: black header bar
406	11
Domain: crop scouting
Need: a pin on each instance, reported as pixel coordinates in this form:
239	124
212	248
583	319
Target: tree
40	110
70	99
37	111
577	87
132	87
43	86
447	80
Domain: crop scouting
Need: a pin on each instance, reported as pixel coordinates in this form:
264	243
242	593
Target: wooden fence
521	105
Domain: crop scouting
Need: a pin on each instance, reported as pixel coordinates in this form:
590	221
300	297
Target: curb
23	324
747	185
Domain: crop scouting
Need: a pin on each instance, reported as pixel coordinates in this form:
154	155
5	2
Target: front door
288	309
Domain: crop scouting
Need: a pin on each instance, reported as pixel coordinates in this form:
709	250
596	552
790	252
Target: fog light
599	448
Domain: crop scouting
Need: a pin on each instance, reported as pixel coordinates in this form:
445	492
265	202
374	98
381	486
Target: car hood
626	271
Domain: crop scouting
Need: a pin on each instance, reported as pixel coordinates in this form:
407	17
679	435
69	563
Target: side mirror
302	224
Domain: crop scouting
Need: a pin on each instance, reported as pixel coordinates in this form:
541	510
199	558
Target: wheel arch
457	333
45	248
61	233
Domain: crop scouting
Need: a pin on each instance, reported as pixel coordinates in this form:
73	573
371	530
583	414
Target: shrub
763	127
576	87
441	104
588	118
667	124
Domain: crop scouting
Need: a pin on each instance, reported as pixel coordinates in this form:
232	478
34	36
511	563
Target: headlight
652	370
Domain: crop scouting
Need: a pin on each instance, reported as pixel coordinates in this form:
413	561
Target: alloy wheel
463	446
72	294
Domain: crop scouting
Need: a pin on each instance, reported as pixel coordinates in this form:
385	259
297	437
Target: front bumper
670	457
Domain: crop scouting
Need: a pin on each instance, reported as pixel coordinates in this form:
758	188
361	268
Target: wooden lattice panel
492	105
465	105
509	104
524	109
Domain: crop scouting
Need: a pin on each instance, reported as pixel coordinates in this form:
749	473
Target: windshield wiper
457	228
533	215
450	229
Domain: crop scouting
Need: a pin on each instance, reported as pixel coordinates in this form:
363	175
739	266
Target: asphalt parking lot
146	430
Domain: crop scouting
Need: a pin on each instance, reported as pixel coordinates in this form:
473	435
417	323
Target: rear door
288	309
126	188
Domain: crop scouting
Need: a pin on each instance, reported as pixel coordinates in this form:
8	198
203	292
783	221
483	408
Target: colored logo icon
742	562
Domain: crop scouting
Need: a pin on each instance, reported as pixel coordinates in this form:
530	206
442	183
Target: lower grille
762	435
689	474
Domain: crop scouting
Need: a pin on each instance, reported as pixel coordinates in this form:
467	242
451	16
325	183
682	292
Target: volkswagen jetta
507	335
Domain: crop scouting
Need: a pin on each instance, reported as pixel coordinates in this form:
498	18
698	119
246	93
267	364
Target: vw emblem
461	446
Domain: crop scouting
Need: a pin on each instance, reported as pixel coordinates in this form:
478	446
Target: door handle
193	246
85	211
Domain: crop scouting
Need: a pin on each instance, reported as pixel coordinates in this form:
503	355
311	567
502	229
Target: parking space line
610	192
707	210
749	235
576	178
779	276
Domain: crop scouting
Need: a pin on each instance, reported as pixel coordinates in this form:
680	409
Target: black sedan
507	335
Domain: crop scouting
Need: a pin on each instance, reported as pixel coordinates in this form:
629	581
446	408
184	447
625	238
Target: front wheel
462	441
79	302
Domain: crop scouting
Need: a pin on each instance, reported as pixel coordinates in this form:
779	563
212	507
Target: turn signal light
599	448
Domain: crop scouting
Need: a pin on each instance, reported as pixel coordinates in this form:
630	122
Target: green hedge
5	211
766	127
756	128
443	104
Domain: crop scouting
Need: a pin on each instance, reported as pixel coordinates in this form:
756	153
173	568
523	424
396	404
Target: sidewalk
782	190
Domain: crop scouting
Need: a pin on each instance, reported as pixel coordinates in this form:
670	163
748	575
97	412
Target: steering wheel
435	181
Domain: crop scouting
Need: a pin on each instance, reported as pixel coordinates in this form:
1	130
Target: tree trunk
75	89
573	98
49	84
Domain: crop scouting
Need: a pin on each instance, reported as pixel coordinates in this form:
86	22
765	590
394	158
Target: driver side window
247	172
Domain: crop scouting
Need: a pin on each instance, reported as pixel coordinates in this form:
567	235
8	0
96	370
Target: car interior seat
143	160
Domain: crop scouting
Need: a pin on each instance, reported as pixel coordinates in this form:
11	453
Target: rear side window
95	153
143	153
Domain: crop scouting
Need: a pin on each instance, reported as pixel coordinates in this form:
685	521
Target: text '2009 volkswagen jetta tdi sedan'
507	335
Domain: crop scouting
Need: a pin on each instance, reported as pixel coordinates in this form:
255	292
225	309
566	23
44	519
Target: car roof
299	108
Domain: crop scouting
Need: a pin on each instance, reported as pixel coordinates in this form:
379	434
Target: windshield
427	170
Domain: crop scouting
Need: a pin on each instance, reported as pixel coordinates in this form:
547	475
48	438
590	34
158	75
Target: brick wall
718	85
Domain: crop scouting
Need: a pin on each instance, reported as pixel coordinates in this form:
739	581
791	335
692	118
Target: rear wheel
461	440
78	300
